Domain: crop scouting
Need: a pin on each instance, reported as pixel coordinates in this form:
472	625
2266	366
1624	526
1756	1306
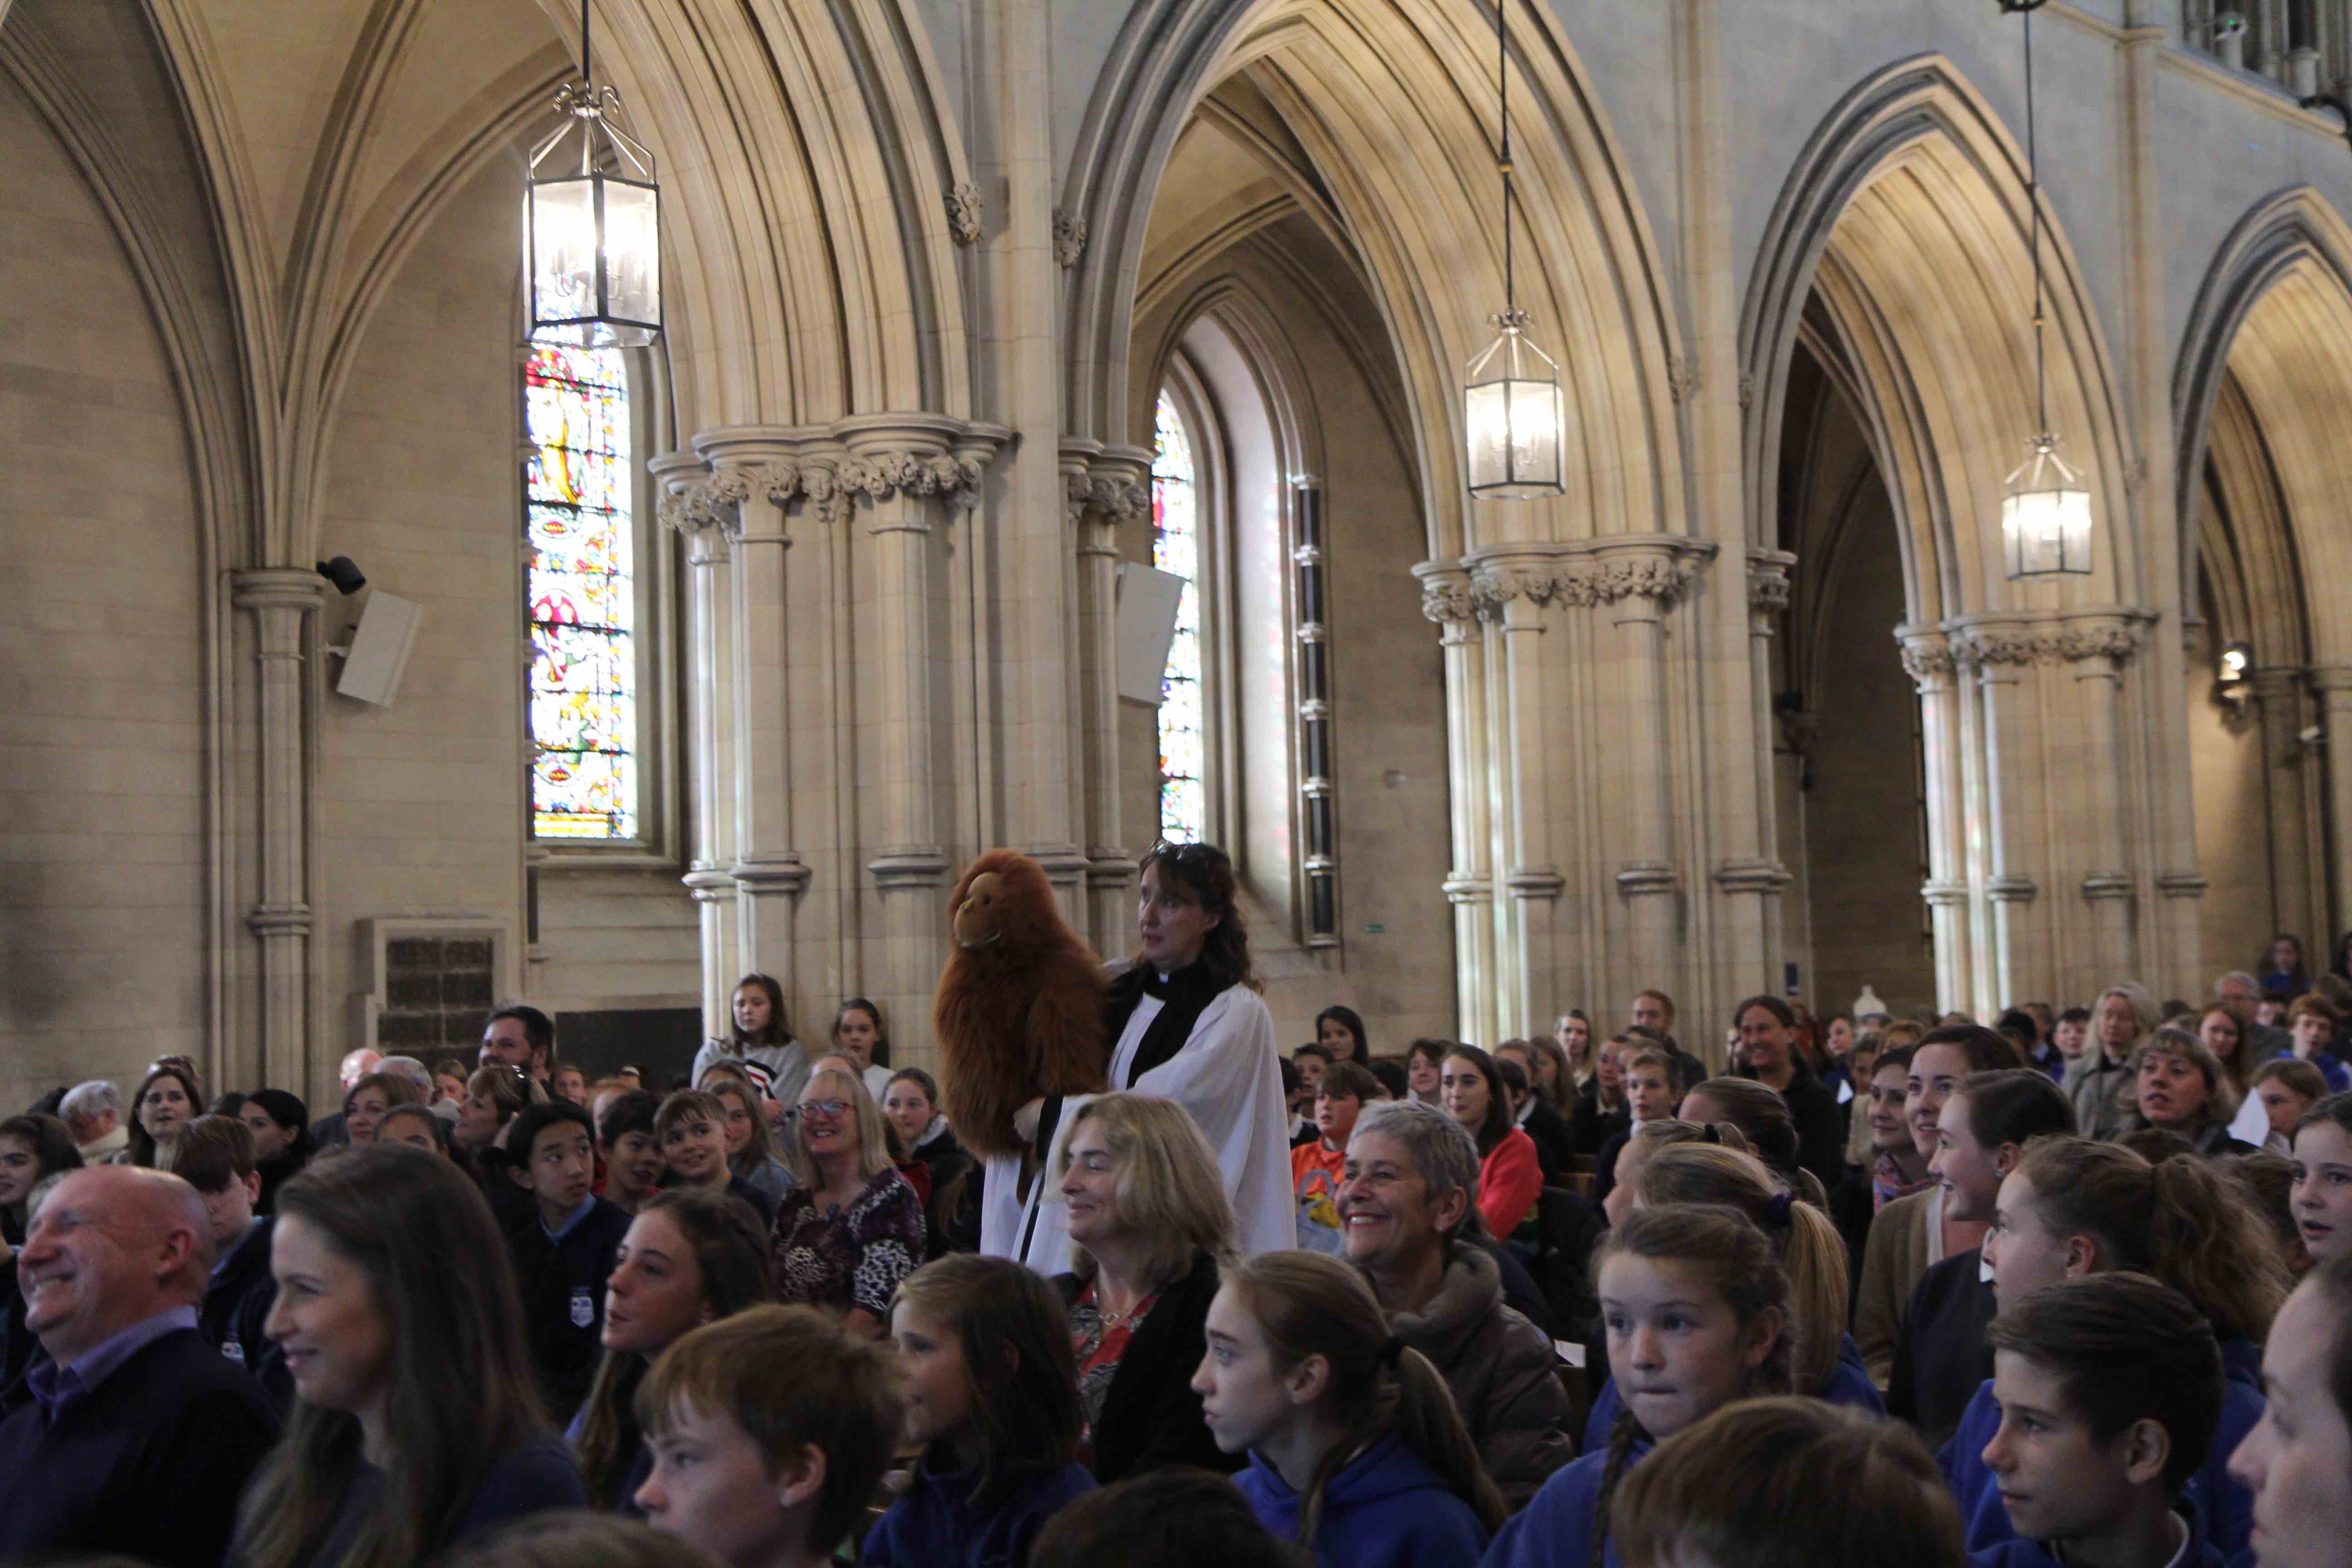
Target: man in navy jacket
137	1437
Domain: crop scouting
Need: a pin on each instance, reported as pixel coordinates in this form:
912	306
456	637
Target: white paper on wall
1148	598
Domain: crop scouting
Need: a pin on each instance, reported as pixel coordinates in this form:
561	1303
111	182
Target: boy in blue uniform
563	1250
2109	1387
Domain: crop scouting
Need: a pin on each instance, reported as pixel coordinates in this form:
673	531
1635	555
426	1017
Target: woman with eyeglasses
850	1227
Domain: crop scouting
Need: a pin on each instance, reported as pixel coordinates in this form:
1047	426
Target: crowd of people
2074	1287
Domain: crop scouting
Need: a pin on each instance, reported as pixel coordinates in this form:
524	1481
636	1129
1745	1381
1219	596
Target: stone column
2100	648
2001	661
686	507
1640	582
2173	942
754	475
1928	660
1765	877
2333	688
911	479
281	601
1446	599
2298	868
1512	589
1104	490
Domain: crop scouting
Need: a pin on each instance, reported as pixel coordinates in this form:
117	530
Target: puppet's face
979	920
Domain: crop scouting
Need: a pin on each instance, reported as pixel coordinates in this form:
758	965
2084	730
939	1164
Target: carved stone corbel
1069	238
967	213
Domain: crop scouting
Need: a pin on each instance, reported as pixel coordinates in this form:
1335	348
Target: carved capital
1663	577
1983	646
1494	584
1927	655
1105	500
878	476
2118	642
714	501
1768	581
967	213
1447	598
1069	238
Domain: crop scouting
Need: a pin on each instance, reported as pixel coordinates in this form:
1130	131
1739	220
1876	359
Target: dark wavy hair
50	1140
1499	1120
1347	1019
143	1144
1206	872
778	1031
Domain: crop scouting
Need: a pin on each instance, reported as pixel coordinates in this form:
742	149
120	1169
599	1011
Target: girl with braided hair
1699	1315
1828	1363
1356	1450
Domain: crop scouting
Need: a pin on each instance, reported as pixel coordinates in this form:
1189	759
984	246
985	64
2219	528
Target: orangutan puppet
1019	1010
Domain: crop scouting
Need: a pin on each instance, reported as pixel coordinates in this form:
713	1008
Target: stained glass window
1176	547
581	588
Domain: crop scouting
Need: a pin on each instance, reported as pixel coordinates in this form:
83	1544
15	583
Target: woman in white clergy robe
1186	1024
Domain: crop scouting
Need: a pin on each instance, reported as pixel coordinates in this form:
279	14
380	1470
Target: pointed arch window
581	587
1176	548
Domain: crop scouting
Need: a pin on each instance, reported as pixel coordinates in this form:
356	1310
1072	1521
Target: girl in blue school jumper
1355	1449
1829	1363
992	1395
2073	1208
1698	1314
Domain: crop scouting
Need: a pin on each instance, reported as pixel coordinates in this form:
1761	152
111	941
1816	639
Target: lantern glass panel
631	254
562	251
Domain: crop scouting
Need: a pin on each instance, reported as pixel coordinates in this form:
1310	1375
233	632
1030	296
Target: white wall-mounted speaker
379	651
1148	599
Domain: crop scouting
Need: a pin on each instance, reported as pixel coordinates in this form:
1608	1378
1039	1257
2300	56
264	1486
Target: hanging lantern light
1514	420
2045	507
2046	516
592	226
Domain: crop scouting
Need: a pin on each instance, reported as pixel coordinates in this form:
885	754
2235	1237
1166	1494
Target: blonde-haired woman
850	1227
1150	1231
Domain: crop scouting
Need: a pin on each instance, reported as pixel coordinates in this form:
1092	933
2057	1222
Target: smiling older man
137	1437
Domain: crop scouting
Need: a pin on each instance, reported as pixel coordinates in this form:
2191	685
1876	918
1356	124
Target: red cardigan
1509	1181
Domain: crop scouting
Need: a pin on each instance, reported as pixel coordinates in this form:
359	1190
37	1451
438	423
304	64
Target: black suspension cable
1503	84
2033	199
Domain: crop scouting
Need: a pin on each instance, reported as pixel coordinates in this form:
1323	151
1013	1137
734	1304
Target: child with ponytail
992	1395
1355	1448
1699	1314
2073	1207
1828	1363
